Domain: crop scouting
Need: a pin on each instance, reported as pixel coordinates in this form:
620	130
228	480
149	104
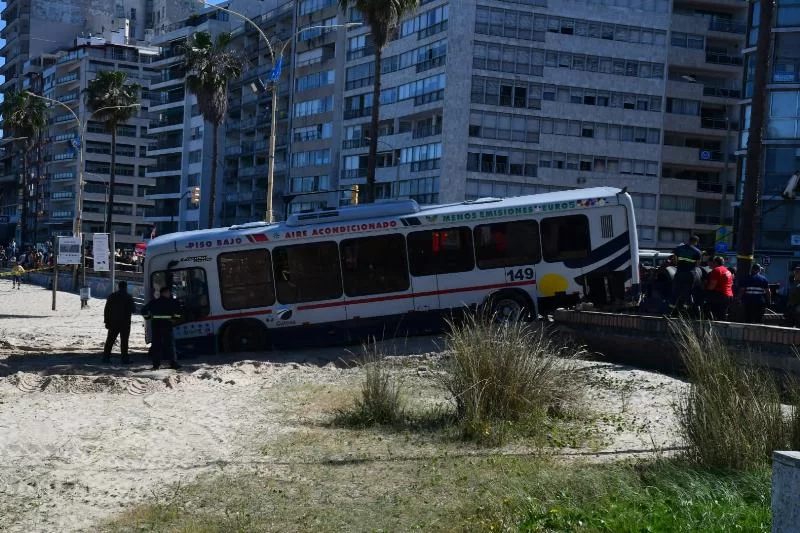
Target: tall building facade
499	98
778	225
65	81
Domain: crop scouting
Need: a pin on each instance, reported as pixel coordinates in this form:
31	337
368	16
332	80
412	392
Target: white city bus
394	268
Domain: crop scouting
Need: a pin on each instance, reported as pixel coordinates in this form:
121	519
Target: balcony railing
430	164
721	92
723	59
357	113
428	98
349	144
431	63
354	173
786	71
718	124
358	53
66	79
426	131
724	25
169	121
63	176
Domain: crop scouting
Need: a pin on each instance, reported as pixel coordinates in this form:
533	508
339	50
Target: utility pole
751	204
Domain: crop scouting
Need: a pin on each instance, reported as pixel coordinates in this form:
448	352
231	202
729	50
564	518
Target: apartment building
499	98
65	82
778	235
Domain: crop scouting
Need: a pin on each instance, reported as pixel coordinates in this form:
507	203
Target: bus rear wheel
244	336
509	307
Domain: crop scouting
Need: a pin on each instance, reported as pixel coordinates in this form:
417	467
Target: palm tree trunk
111	181
23	216
212	194
372	159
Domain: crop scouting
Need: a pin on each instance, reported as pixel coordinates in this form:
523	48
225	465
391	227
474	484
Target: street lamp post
78	222
274	82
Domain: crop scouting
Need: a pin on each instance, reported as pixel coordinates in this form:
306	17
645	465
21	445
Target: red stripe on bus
236	315
420	294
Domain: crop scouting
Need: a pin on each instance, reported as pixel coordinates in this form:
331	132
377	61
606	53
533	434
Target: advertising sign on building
100	252
69	251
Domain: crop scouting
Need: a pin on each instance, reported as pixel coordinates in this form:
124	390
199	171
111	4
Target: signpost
69	250
100	252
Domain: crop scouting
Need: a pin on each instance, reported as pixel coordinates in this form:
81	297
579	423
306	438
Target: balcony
354	173
723	59
431	63
63	176
724	25
358	53
60	215
62	195
234	149
350	144
786	71
426	131
428	98
718	124
258	170
357	113
66	79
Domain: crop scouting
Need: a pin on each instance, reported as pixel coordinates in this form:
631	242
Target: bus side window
442	251
374	265
565	238
245	279
507	244
307	272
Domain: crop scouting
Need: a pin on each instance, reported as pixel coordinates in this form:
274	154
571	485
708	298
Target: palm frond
109	89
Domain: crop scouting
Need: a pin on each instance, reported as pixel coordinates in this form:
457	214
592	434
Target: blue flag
275	74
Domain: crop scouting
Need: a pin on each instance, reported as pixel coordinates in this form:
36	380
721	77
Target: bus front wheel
244	336
507	306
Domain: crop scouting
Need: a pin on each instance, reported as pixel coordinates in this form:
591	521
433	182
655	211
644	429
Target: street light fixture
78	145
274	83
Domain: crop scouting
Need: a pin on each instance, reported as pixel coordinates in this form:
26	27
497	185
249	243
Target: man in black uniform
117	317
687	277
162	312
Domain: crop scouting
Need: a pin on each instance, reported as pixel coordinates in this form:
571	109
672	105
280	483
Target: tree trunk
212	194
751	204
372	159
23	216
111	182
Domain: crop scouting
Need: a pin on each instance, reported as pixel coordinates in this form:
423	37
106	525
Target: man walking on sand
162	311
16	274
117	314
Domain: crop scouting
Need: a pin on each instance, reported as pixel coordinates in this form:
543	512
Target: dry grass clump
732	416
506	372
380	400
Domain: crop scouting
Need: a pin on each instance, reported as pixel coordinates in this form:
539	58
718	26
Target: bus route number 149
519	274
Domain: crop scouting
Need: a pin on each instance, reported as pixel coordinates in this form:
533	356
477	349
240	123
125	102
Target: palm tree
114	102
383	16
210	65
25	116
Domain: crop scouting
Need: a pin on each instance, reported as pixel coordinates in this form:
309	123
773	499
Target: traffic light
195	196
354	195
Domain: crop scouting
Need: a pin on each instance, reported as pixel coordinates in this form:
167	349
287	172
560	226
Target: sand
81	441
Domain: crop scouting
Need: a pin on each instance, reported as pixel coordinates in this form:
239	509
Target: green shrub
499	373
731	417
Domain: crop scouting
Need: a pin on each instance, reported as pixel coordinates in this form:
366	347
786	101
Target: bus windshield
188	286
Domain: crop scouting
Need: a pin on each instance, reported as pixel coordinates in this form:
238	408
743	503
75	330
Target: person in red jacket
719	289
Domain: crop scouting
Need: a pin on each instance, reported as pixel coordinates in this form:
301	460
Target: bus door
376	282
441	263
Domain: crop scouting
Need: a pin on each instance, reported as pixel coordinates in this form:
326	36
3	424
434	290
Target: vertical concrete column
786	492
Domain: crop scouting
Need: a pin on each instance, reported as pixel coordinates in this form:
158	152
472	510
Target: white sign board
69	251
100	252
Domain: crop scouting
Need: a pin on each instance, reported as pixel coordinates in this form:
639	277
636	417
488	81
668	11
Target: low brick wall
646	340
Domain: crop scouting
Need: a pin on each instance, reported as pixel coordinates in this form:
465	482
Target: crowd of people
29	258
696	283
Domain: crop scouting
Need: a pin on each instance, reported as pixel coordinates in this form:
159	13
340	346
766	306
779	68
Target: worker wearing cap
793	298
755	296
687	275
163	311
16	274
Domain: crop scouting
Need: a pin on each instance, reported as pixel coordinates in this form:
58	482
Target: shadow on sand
85	363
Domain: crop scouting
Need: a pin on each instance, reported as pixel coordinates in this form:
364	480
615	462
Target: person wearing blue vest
754	294
687	275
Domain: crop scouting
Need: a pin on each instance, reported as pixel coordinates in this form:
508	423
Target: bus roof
400	213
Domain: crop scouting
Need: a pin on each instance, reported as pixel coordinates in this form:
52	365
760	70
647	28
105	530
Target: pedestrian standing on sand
755	295
117	314
16	274
162	312
687	276
720	290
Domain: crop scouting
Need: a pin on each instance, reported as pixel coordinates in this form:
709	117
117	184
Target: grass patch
506	375
462	493
732	416
659	496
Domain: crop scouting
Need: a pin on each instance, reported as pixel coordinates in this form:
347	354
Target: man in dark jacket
687	275
162	312
117	317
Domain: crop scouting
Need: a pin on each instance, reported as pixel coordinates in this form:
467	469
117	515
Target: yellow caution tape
47	269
